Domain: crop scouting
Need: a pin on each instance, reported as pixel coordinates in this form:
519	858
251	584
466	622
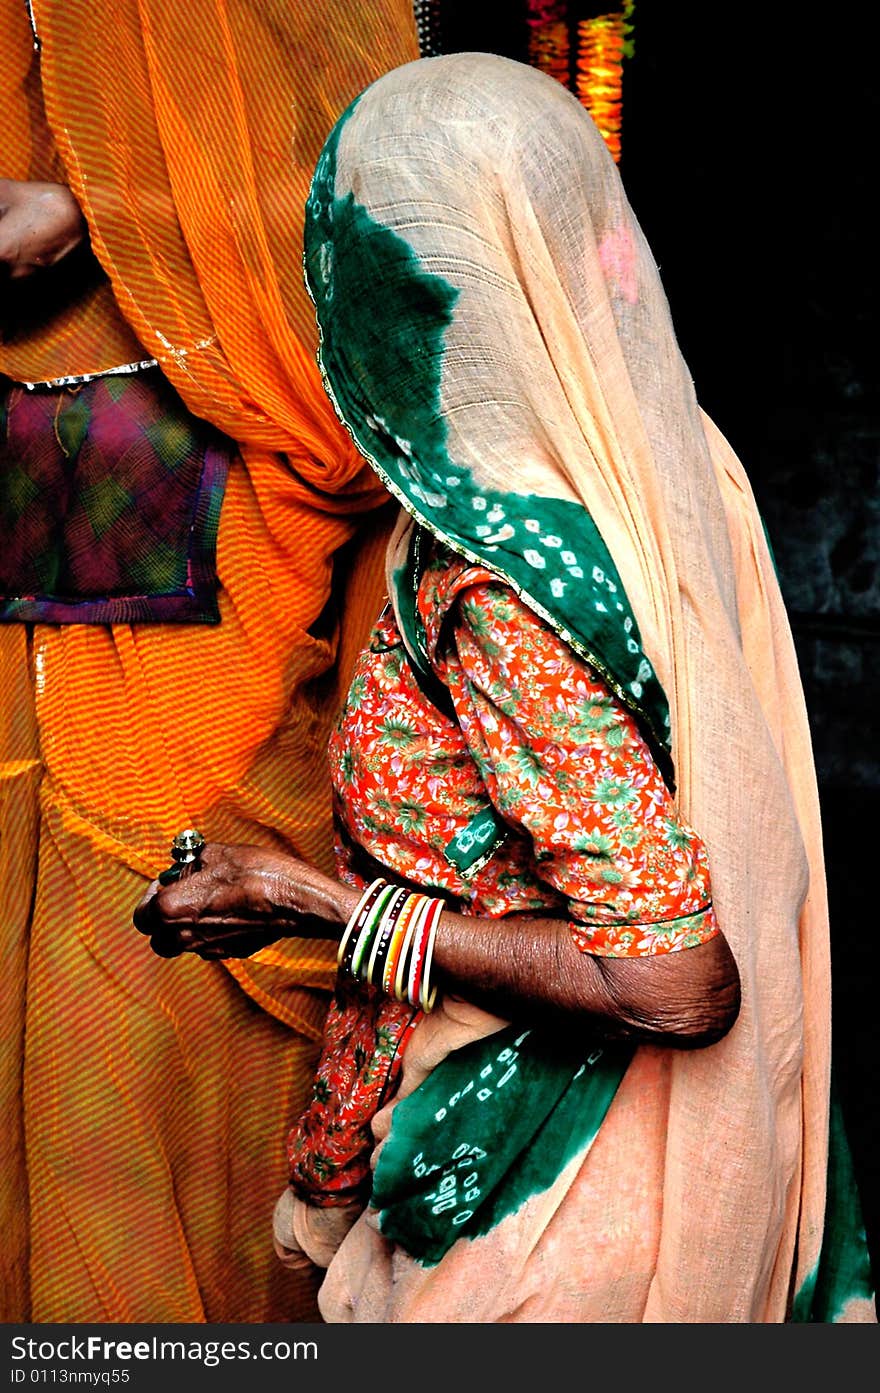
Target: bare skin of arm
40	223
244	897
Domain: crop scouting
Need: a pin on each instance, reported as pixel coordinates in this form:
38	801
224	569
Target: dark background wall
746	153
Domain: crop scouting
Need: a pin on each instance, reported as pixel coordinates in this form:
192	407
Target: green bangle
370	925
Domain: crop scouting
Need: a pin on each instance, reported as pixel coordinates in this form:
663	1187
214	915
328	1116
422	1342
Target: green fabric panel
477	840
103	503
770	548
495	1123
73	425
19	492
843	1272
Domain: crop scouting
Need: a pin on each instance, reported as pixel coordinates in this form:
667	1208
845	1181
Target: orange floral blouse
538	794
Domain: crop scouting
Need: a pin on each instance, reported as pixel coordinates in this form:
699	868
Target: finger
144	916
221	929
171	940
236	946
167	903
165	943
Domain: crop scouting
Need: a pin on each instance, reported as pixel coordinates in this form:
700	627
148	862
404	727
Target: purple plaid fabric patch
110	495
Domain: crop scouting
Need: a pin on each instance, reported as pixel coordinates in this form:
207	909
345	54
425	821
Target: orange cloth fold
148	1101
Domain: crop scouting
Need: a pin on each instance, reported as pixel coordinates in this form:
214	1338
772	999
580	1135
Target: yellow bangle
394	947
384	930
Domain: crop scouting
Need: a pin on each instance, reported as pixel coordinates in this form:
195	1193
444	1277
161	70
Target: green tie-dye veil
443	394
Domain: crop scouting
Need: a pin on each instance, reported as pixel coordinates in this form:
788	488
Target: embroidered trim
77	380
30	9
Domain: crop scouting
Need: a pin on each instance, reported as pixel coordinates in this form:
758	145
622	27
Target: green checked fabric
110	495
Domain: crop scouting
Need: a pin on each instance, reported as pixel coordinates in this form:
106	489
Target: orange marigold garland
549	42
579	42
603	43
585	54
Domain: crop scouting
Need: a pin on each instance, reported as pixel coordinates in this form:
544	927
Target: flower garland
602	44
549	38
427	17
582	50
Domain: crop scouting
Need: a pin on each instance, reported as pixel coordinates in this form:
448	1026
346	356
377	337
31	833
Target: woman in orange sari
174	490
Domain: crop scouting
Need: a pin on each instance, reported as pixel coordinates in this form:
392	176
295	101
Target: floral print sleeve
564	763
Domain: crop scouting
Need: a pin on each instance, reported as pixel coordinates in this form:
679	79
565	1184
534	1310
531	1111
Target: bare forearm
528	967
518	967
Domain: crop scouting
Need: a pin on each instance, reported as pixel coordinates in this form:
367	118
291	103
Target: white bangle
349	928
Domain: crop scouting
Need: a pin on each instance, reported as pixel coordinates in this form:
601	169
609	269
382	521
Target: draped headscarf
497	340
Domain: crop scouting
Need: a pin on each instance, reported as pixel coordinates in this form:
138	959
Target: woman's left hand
239	900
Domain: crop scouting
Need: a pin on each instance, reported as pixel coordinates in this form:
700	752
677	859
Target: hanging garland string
567	39
602	44
549	38
586	54
428	26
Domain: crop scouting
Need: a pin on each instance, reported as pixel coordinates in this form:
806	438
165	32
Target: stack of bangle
389	942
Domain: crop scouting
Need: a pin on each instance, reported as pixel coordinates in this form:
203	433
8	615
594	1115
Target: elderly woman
577	1064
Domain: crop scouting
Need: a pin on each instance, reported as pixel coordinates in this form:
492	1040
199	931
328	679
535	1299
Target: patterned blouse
538	795
532	792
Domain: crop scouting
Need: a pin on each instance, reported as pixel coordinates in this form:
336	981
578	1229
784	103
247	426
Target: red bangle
419	950
427	993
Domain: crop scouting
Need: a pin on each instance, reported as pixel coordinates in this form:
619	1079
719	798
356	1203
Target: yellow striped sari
147	1102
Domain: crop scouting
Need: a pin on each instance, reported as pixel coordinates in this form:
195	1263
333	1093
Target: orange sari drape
148	1101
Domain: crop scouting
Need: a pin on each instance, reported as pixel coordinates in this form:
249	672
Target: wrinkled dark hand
39	225
238	900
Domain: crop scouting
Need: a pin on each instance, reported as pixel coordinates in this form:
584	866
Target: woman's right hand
39	224
240	899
